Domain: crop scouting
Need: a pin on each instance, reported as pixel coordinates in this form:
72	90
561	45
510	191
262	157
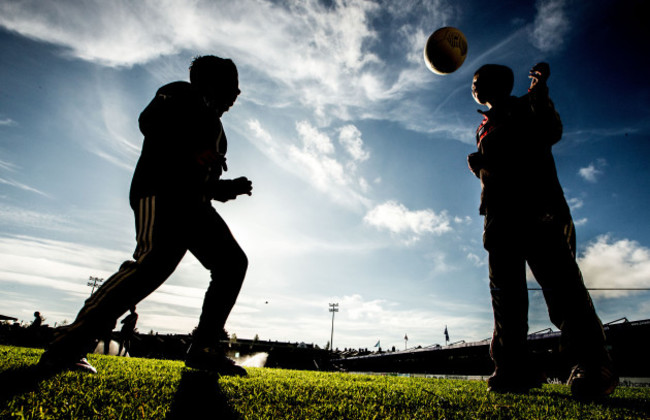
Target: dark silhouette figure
127	331
177	176
34	334
527	220
37	322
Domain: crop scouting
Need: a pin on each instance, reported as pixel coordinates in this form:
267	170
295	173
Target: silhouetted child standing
178	173
527	220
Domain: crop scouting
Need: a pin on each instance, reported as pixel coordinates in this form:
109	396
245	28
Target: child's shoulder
175	88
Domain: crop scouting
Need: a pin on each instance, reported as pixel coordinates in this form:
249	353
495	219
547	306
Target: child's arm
546	117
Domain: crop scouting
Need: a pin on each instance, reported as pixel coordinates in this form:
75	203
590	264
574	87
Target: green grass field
132	388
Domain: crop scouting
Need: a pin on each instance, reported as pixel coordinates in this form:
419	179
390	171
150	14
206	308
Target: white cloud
615	264
7	122
350	138
398	219
318	42
589	173
322	58
593	171
551	25
314	141
314	160
581	222
114	34
575	203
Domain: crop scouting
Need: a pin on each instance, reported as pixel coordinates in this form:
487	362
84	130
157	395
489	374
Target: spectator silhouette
37	322
127	331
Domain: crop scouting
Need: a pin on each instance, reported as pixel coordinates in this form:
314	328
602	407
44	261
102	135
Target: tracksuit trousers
548	245
166	230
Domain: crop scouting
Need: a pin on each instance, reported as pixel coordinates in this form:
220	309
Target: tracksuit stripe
146	213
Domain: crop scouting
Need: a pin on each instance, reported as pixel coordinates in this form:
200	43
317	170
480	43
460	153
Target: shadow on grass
641	407
20	381
198	395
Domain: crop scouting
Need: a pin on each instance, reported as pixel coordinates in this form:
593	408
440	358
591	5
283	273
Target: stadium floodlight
334	307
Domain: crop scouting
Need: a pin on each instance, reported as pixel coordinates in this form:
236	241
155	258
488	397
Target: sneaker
51	363
212	360
592	383
515	383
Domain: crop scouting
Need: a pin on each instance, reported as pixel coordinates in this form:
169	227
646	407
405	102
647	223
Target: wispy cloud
581	222
551	25
22	218
21	186
7	122
314	158
51	264
59	270
575	203
350	138
7	166
324	58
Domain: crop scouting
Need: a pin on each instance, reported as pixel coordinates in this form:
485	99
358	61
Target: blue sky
357	153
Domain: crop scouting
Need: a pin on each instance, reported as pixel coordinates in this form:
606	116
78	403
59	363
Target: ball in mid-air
445	50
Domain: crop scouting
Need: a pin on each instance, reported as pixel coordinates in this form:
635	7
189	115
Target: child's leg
552	261
502	238
218	251
159	249
510	306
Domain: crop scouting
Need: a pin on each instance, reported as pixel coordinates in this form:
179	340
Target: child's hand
243	185
228	189
539	74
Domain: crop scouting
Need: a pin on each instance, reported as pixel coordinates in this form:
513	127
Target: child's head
217	80
492	83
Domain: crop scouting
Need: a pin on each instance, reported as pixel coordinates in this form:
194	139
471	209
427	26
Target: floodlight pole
92	281
334	307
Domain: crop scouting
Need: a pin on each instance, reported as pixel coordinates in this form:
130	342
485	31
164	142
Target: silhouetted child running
178	173
527	220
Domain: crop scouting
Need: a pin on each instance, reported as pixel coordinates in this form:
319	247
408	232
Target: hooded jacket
177	126
514	160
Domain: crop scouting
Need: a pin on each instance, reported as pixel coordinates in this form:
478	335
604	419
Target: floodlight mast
334	307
